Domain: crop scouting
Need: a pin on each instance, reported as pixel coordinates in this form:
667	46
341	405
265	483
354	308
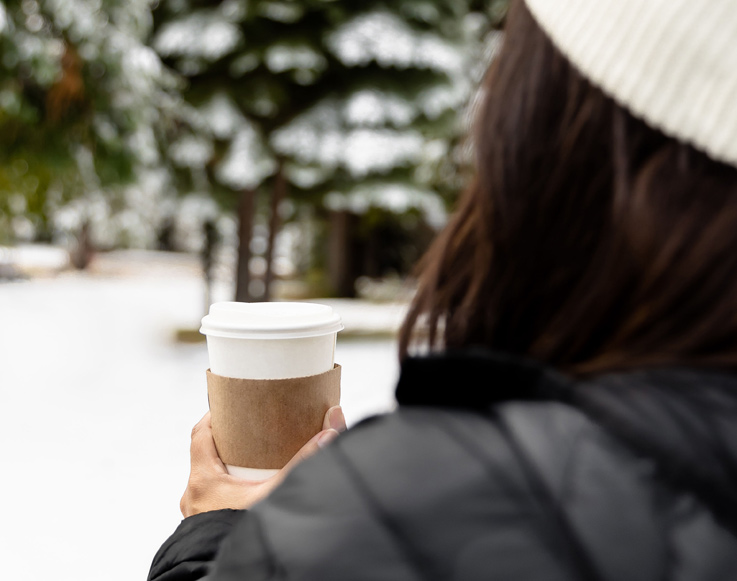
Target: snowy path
98	403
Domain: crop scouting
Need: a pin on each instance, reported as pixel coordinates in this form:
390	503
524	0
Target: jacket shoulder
542	473
417	493
528	490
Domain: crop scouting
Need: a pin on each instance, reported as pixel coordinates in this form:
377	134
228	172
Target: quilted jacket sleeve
187	555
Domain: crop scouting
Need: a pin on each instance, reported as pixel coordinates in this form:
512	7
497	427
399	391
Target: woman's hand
210	487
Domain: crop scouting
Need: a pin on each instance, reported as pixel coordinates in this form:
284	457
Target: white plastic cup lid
277	320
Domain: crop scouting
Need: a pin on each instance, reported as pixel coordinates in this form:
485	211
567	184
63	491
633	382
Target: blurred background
156	157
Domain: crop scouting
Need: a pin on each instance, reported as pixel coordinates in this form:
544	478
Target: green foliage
76	83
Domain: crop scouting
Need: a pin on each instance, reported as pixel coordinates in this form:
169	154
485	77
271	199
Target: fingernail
337	419
327	437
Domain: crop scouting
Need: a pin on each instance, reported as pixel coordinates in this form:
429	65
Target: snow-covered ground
98	401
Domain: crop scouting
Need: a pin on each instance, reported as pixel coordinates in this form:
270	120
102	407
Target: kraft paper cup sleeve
262	423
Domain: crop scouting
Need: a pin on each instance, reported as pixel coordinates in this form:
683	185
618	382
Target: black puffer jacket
495	468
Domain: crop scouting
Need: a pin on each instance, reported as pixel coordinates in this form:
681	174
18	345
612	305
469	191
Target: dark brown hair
589	240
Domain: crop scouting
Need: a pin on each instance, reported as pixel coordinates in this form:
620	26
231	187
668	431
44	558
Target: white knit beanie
671	62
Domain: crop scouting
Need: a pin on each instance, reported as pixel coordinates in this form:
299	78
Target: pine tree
342	103
408	66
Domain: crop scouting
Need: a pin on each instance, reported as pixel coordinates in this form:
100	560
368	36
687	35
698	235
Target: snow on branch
204	34
285	56
247	162
320	137
396	197
221	115
386	39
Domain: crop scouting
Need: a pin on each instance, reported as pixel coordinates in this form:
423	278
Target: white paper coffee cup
277	340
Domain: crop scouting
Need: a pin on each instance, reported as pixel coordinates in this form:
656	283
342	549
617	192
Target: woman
576	416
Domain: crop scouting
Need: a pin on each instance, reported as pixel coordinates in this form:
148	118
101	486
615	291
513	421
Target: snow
319	137
3	18
221	115
34	258
282	57
191	151
204	34
99	402
307	177
374	108
386	39
437	100
247	162
395	197
366	150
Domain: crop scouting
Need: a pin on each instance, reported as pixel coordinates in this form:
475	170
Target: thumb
318	441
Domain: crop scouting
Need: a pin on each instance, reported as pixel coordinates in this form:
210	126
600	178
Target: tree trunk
208	256
83	251
246	215
342	267
278	193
